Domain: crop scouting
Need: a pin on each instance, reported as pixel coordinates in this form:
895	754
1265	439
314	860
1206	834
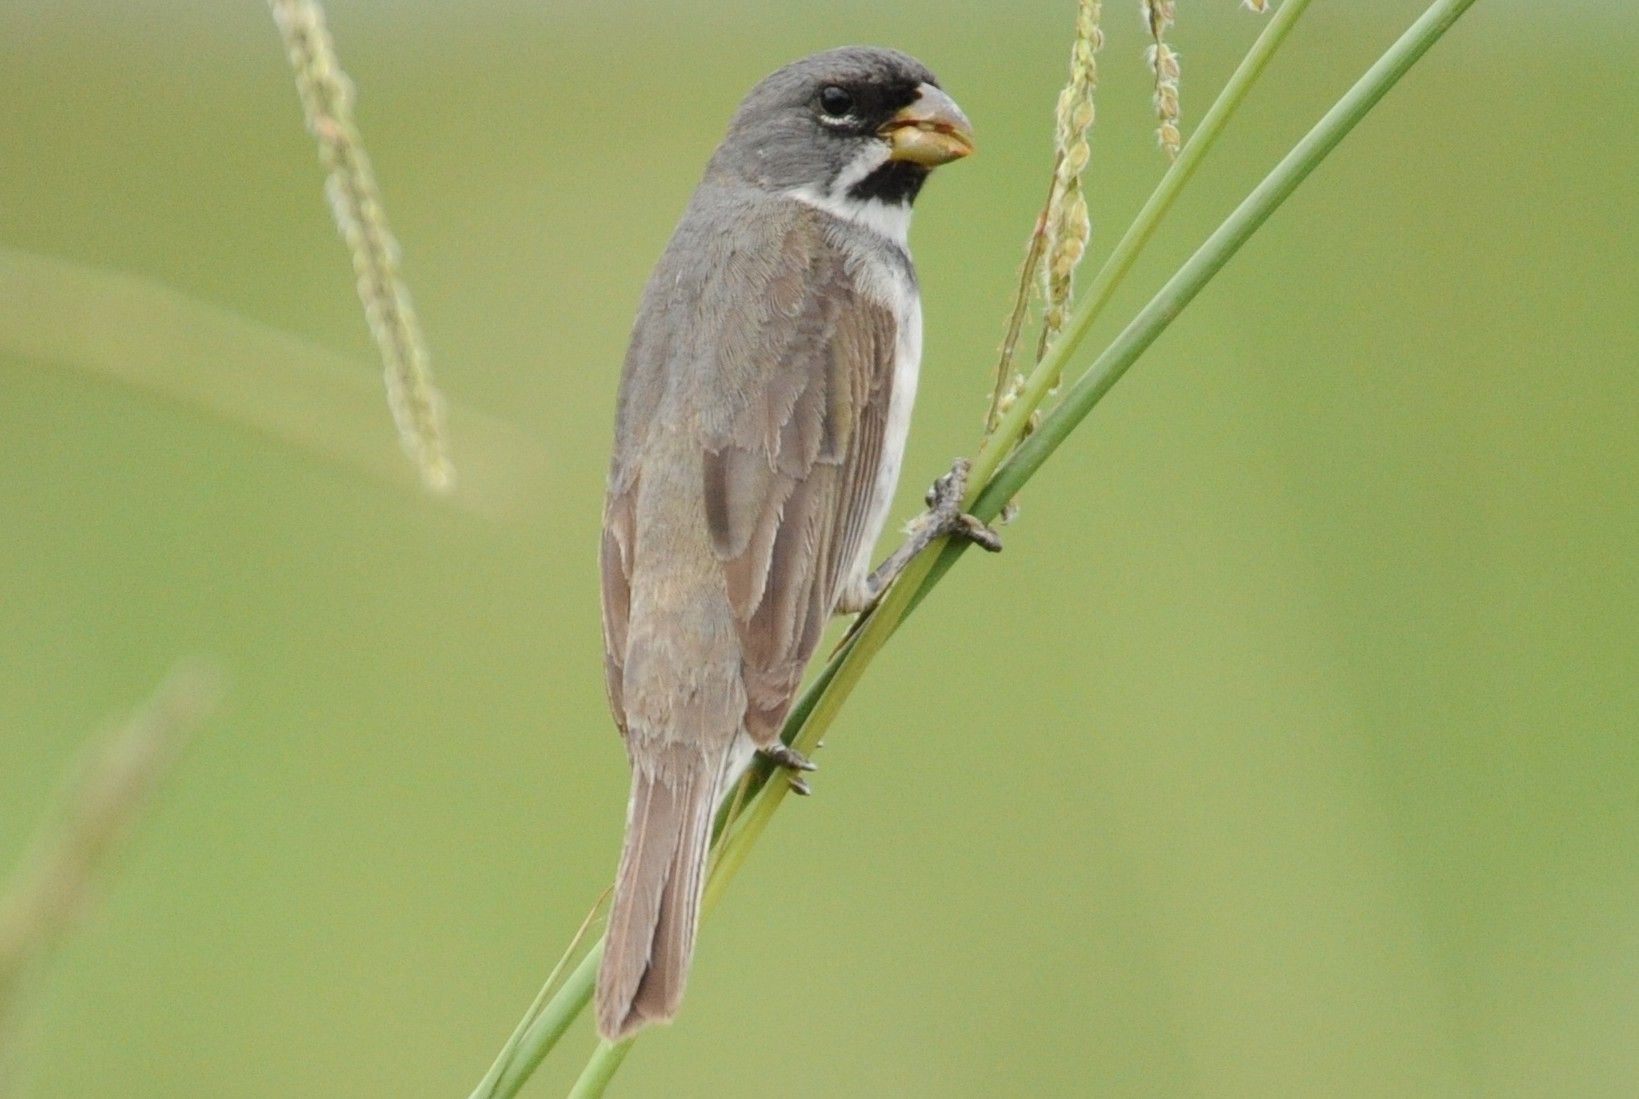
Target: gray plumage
752	471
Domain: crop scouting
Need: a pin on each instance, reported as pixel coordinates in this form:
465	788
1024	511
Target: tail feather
657	900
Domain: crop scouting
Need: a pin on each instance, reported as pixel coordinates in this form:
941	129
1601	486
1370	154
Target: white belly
907	364
872	224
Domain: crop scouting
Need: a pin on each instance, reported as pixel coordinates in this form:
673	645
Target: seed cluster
327	100
1068	224
1163	59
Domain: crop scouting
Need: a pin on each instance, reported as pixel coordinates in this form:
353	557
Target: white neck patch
888	219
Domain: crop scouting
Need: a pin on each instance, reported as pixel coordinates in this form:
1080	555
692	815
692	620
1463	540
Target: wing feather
754	338
789	484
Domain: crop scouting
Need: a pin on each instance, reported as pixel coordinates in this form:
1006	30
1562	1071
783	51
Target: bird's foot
783	755
795	763
946	515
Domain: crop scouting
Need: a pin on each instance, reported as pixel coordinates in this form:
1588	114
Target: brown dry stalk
1021	306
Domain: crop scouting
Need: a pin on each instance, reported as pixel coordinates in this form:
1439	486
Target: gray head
859	124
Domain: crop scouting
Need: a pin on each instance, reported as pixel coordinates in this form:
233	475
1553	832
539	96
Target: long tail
657	899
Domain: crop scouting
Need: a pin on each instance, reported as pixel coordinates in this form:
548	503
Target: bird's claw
945	506
783	755
795	764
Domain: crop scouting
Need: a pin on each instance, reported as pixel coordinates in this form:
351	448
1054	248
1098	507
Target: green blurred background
1288	750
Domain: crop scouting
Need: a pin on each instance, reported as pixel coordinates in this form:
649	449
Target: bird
764	404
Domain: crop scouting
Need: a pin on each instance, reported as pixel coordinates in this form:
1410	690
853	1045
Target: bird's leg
944	517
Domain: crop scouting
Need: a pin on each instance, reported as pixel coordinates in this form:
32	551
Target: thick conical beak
931	131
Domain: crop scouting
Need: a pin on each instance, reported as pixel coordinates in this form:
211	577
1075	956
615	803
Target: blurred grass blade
820	704
138	332
107	794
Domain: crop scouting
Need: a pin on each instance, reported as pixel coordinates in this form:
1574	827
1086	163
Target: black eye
835	101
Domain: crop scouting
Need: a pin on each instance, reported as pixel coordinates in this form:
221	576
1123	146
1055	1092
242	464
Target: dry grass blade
131	330
1021	308
327	100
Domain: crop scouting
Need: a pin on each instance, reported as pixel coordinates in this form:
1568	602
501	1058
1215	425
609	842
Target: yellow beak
930	132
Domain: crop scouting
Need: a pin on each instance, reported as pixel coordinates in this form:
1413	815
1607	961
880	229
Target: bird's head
848	126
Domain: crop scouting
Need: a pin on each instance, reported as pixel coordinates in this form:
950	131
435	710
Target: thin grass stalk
544	1031
1021	300
822	701
486	1086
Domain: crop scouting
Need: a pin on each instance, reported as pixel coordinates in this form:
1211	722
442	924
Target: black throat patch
895	183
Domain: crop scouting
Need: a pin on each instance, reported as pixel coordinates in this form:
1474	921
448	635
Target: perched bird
763	409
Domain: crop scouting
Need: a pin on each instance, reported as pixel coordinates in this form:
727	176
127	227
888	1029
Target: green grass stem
600	1069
